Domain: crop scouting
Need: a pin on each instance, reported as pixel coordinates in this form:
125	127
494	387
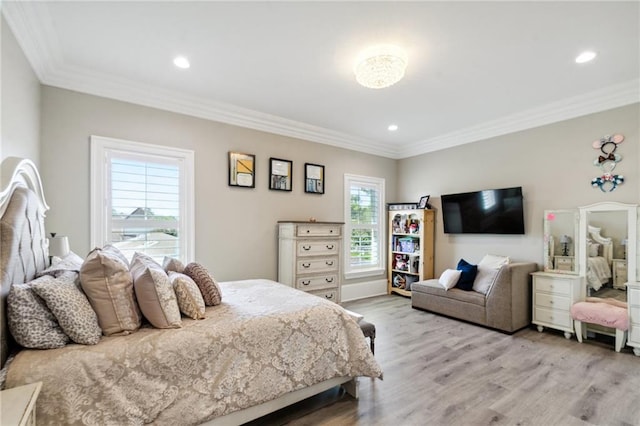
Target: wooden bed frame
22	173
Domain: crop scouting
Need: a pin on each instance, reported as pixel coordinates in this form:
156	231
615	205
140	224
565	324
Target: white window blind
364	225
147	194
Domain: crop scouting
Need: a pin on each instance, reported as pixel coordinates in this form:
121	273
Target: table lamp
58	246
565	240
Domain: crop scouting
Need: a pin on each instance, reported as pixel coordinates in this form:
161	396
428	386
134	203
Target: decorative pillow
115	251
488	268
155	295
188	294
71	308
172	264
467	275
208	286
106	281
30	322
594	249
449	278
71	262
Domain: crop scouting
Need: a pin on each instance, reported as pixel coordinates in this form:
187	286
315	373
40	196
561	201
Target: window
142	198
364	226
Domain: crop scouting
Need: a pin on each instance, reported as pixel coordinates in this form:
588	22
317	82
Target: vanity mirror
607	247
560	241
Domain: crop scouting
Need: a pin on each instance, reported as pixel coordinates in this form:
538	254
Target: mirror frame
632	232
548	257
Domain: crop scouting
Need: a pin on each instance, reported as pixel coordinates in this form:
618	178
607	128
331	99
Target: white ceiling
476	69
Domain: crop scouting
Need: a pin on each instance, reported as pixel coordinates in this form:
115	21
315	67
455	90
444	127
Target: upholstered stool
369	330
605	312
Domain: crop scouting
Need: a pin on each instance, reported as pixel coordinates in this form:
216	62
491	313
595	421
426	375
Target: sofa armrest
508	302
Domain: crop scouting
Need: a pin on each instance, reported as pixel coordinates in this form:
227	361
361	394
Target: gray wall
235	227
553	164
20	102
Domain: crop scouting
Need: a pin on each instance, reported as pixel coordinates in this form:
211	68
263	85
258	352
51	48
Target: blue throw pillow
467	276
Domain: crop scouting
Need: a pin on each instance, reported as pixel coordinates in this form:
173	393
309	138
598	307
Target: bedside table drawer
553	301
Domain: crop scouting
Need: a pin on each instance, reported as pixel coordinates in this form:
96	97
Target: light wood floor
440	371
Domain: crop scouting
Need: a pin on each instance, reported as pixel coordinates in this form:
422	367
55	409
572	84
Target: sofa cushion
467	275
488	269
433	287
449	278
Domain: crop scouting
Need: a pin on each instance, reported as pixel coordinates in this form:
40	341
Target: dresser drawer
634	297
634	314
553	285
313	283
329	294
634	333
312	230
553	317
316	248
553	301
310	266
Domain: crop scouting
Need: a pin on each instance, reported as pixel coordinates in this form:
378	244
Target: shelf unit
411	248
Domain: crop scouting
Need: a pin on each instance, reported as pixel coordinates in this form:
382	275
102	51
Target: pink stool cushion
603	314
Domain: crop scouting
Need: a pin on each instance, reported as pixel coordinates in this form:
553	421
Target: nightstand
563	263
553	295
619	270
19	405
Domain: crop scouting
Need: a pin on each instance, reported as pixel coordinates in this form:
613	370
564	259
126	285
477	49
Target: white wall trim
350	292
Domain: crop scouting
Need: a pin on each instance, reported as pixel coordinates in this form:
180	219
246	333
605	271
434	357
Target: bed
251	355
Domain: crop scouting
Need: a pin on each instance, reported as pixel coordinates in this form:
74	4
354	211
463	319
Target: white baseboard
363	290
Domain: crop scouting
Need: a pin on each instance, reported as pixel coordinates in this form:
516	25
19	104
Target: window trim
380	268
101	150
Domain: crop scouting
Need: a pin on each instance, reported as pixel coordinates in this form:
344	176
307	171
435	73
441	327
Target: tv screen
493	211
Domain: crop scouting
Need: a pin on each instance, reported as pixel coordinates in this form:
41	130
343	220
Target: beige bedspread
263	341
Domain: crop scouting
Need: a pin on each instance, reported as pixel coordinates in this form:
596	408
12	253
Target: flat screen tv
493	211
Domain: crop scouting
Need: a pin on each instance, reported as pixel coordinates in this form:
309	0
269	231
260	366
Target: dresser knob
329	296
329	280
329	263
306	248
306	282
306	265
330	247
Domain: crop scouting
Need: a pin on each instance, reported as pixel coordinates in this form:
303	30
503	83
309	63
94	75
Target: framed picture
280	174
242	170
424	202
313	178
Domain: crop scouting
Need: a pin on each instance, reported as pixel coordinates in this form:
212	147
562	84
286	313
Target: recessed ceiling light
181	62
392	127
585	56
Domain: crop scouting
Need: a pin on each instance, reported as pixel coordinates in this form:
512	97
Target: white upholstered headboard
24	248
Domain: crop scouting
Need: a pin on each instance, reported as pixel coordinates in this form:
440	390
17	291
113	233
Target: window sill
363	274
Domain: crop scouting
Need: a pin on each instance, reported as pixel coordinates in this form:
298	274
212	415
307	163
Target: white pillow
491	261
449	278
594	249
488	268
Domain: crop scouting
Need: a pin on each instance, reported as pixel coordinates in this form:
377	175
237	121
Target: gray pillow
71	262
30	322
70	306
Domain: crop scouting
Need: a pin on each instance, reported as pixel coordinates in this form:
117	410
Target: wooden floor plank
441	371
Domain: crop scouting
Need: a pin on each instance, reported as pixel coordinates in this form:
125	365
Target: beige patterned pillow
172	264
188	294
70	306
115	251
155	295
30	322
208	286
106	281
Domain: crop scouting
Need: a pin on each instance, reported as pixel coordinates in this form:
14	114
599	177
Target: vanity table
601	257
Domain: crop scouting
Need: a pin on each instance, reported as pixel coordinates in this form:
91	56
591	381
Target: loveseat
506	305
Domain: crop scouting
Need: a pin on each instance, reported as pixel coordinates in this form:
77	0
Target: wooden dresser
310	257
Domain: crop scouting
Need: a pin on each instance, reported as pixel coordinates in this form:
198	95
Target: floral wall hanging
606	161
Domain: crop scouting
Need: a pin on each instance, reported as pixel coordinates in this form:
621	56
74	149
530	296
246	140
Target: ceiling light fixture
181	62
380	66
585	56
392	127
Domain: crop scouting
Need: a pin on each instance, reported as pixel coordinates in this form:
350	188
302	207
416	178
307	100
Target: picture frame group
242	173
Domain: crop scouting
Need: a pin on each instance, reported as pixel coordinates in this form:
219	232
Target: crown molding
36	35
599	100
